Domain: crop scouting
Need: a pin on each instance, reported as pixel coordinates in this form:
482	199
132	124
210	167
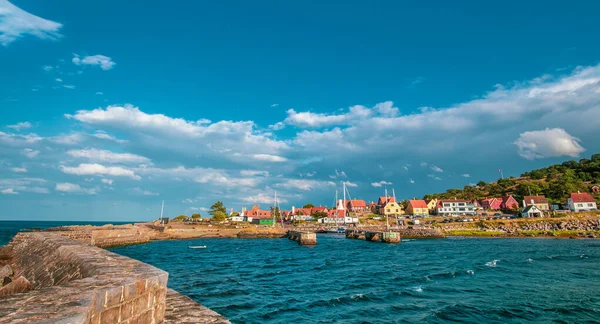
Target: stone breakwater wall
72	282
106	236
544	225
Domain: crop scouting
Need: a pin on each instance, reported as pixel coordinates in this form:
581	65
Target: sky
109	108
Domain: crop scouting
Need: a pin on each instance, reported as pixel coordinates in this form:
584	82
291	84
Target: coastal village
349	211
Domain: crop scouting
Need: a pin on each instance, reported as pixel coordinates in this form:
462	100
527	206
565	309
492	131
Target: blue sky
109	108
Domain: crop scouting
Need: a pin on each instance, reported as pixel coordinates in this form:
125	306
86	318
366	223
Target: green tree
219	216
308	206
275	212
481	184
217	207
196	216
319	214
180	218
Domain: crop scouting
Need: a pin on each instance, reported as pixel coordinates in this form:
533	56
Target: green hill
556	182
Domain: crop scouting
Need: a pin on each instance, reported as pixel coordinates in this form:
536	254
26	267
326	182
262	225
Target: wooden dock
374	236
303	238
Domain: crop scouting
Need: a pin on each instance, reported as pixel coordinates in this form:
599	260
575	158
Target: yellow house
432	204
391	209
417	207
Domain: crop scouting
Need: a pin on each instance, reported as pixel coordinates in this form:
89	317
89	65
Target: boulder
19	285
6	271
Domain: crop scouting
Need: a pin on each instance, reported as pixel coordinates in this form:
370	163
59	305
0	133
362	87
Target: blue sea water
8	229
470	280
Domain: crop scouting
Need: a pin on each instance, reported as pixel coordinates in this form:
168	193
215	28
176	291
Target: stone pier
374	236
72	282
303	238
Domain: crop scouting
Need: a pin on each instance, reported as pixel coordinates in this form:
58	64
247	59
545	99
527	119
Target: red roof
417	203
383	200
536	200
357	203
334	213
319	208
582	197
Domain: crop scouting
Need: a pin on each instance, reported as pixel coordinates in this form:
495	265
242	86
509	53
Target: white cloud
30	153
107	181
274	105
211	176
104	135
466	175
277	126
253	173
269	158
105	62
305	184
98	169
350	184
434	177
178	134
16	23
96	155
68	139
47	68
340	173
73	188
548	143
19	170
9	191
380	184
310	119
19	126
139	191
99	93
436	168
18	139
24	185
58	80
411	181
262	198
69	86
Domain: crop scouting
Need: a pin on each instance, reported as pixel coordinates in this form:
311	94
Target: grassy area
474	233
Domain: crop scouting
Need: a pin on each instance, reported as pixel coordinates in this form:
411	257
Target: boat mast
344	201
162	208
394	194
274	208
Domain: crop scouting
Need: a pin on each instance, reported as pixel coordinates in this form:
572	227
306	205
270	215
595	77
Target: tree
481	184
219	216
196	216
275	212
217	207
319	214
308	206
180	218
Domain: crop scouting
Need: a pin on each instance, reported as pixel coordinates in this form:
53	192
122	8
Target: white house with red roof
456	207
338	216
356	205
581	201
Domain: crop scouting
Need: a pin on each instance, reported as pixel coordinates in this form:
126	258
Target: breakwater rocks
107	235
72	282
272	232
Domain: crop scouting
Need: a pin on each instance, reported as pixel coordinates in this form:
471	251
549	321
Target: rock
6	271
5	281
19	285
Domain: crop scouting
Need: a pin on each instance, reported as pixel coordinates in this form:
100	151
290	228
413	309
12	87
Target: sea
467	280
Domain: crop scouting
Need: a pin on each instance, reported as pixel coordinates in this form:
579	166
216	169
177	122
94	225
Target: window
579	205
590	205
396	210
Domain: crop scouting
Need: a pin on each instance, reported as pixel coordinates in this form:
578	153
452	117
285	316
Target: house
319	209
384	200
509	202
596	189
581	201
236	218
532	211
356	205
417	207
476	205
338	216
456	207
538	201
303	214
255	213
491	203
391	208
373	207
432	205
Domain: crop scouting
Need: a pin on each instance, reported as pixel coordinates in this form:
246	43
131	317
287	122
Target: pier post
303	238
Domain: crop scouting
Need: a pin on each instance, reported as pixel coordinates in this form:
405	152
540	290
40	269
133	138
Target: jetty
374	236
303	238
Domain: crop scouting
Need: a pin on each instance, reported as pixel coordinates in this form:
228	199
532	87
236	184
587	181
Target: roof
529	208
582	197
319	208
383	200
334	213
417	203
357	203
536	199
506	198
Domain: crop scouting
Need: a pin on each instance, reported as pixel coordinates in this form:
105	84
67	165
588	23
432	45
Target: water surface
339	280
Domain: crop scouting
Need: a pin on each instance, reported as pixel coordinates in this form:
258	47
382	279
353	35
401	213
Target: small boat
197	247
339	230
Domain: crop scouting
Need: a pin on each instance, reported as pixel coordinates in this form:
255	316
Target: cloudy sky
108	109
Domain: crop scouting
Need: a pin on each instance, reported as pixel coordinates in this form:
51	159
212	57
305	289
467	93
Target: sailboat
340	206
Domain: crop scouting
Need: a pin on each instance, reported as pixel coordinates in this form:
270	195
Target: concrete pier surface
374	236
66	281
303	238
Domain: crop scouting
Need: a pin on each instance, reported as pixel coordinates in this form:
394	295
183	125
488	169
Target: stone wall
105	236
78	283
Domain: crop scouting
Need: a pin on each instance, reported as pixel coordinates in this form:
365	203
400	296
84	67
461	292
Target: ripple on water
339	280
